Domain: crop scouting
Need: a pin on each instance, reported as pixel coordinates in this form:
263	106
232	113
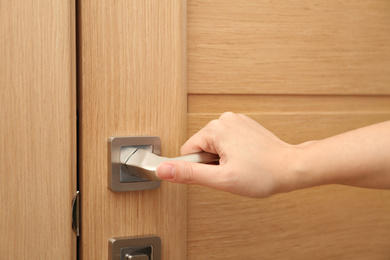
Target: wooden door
37	129
304	70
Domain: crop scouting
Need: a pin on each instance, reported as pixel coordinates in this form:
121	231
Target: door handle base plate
119	177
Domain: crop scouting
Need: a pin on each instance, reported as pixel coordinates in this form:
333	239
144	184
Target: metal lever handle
144	163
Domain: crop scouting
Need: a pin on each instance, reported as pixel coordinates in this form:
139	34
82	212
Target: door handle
133	160
144	163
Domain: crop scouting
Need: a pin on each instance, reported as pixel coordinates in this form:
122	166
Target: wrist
302	167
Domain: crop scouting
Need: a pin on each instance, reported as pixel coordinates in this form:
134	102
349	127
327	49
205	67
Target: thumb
188	172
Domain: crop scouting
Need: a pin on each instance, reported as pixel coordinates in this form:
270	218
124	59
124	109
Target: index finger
204	140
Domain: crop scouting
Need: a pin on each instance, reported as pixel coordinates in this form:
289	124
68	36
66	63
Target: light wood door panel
299	47
37	129
132	84
329	222
304	70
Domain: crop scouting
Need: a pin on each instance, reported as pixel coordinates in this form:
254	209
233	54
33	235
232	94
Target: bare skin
256	163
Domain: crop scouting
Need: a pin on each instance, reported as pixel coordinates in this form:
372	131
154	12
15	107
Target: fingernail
166	171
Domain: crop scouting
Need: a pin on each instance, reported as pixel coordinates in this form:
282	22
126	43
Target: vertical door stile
132	82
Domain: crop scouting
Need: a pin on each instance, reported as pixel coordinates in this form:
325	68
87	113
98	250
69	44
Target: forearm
358	158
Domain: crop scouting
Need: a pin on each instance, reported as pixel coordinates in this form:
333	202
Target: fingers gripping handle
144	163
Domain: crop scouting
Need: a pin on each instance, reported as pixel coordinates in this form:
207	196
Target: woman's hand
253	161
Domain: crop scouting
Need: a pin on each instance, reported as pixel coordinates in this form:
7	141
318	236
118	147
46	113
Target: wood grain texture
37	129
305	70
329	222
133	83
252	104
299	47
